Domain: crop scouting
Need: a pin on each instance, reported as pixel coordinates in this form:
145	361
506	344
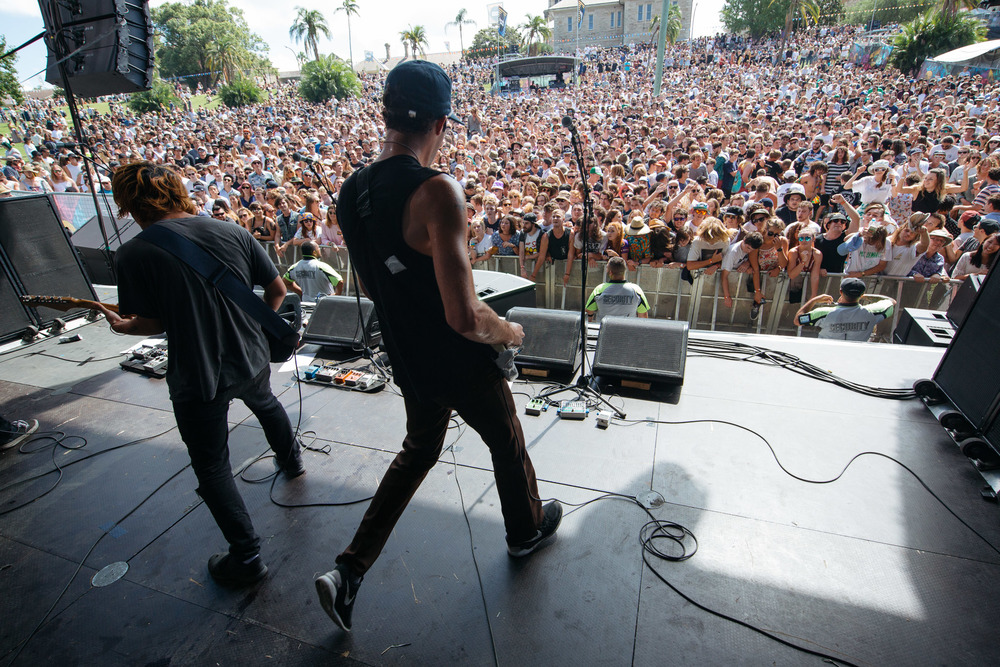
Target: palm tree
460	20
414	39
807	10
350	8
951	7
223	54
673	24
308	25
536	29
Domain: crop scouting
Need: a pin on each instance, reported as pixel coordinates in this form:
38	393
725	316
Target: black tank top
428	357
559	248
926	202
832	262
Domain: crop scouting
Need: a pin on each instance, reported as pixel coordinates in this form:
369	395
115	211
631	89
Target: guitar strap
221	277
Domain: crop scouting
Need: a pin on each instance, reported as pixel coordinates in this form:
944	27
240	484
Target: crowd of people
754	159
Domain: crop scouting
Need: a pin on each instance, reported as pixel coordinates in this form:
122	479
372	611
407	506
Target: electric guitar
65	303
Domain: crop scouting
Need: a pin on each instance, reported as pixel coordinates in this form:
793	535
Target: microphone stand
585	385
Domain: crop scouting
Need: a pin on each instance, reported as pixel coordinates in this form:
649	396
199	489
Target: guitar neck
65	303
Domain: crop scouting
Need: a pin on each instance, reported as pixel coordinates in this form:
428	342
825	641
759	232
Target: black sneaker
546	534
21	430
229	571
337	590
755	310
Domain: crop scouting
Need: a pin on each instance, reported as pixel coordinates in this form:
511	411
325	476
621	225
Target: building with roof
608	22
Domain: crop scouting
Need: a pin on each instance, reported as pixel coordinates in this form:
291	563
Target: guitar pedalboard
148	360
331	375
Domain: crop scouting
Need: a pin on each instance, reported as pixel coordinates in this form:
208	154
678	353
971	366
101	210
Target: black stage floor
871	568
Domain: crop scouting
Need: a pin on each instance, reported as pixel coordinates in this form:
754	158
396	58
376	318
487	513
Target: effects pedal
326	375
535	407
573	410
310	372
603	419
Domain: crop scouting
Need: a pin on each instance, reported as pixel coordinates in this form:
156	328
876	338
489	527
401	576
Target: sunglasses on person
771	234
218	214
805	238
245	187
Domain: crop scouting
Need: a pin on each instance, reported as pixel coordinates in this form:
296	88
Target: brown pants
489	410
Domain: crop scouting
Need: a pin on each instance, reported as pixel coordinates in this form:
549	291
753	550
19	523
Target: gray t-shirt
213	344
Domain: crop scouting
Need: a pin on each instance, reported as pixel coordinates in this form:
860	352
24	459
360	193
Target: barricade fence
699	302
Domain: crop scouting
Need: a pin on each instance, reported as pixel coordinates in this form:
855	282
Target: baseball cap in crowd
941	234
497	185
700	206
790	174
270	184
852	288
880	164
199	187
596	170
969	216
420	89
937	150
916	150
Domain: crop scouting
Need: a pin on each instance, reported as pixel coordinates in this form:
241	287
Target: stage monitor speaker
503	291
117	41
962	303
38	252
641	350
335	323
930	328
14	316
89	244
969	371
552	340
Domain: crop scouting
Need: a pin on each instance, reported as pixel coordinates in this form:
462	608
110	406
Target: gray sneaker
552	515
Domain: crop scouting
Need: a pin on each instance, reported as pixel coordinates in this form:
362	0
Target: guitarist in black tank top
405	228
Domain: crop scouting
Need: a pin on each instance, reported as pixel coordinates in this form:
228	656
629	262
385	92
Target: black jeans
205	431
489	409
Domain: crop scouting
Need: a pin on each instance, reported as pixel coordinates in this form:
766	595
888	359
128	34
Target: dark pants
204	429
489	410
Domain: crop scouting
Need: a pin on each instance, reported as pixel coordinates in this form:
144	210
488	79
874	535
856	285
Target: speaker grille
335	322
641	349
551	338
39	251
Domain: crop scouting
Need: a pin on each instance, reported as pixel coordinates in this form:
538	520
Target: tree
460	19
932	33
861	12
158	98
415	38
536	32
9	85
484	44
807	10
756	17
309	24
674	25
951	7
224	55
328	77
185	33
240	92
350	8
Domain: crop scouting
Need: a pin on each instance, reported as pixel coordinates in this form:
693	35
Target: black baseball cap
852	288
420	89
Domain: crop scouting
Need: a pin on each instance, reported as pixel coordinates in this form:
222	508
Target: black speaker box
335	323
38	255
641	350
89	244
964	298
930	328
116	37
969	372
503	291
552	340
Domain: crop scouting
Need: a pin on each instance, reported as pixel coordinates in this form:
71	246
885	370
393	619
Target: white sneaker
22	430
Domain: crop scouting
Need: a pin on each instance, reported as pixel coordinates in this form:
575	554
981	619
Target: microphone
66	144
303	158
567	122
